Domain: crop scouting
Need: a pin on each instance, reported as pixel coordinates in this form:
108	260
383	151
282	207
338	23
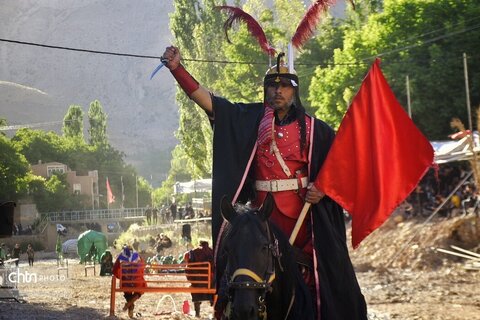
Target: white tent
202	185
455	150
70	246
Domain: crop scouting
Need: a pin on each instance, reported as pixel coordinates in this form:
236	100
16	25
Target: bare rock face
38	84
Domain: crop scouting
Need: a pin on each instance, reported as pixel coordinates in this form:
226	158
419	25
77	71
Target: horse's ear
226	208
267	207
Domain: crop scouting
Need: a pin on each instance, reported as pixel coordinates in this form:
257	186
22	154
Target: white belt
280	185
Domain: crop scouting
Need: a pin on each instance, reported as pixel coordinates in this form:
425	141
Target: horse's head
251	251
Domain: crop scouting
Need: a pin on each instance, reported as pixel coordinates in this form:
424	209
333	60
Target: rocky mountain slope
38	84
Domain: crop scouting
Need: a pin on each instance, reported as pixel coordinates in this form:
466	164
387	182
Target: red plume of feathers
236	14
309	22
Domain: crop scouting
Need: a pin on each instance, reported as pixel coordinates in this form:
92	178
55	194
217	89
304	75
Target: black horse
261	277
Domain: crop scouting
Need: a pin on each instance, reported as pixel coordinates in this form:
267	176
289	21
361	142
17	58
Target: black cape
235	128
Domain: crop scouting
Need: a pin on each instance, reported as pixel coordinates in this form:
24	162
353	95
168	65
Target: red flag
110	196
377	158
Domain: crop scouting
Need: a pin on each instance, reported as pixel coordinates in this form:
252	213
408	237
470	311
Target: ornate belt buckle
273	185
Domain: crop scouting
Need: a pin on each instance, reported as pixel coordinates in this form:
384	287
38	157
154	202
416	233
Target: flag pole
299	223
123	191
408	97
470	126
136	189
151	192
108	202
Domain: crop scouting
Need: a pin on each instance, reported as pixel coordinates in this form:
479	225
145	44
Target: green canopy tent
91	240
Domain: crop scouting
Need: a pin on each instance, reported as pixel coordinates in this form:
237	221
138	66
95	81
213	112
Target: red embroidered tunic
288	203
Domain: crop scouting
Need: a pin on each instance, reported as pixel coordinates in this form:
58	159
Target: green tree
73	123
318	51
144	192
164	194
196	26
179	171
13	171
53	194
38	145
422	39
97	119
243	82
3	123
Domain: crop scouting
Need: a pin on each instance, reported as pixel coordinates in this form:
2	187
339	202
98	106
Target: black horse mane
290	277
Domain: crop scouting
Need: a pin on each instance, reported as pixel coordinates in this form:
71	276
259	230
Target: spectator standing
148	213
154	215
201	254
173	211
16	253
3	252
30	255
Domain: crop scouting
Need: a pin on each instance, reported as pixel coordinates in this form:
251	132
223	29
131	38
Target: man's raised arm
192	88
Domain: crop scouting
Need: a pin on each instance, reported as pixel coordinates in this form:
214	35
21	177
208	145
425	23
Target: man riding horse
275	147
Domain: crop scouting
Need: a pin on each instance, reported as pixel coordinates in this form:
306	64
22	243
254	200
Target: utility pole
123	192
109	192
151	192
408	98
470	126
136	189
93	195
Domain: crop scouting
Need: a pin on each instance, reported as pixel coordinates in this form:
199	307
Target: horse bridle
258	282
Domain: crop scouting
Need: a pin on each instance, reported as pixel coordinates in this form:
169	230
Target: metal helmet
281	73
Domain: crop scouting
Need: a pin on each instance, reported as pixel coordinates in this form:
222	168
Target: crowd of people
16	253
19	230
436	190
172	212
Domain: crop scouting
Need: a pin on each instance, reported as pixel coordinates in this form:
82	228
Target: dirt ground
401	275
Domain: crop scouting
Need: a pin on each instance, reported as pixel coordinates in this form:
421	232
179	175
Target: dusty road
418	284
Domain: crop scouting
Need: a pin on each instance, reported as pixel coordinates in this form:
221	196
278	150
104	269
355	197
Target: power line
440	29
79	49
130	55
32	125
424	42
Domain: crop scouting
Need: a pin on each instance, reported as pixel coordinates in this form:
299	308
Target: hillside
38	84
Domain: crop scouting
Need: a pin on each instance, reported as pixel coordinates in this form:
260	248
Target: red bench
167	279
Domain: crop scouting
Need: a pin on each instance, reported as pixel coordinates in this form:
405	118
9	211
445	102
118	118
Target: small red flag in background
110	196
377	158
